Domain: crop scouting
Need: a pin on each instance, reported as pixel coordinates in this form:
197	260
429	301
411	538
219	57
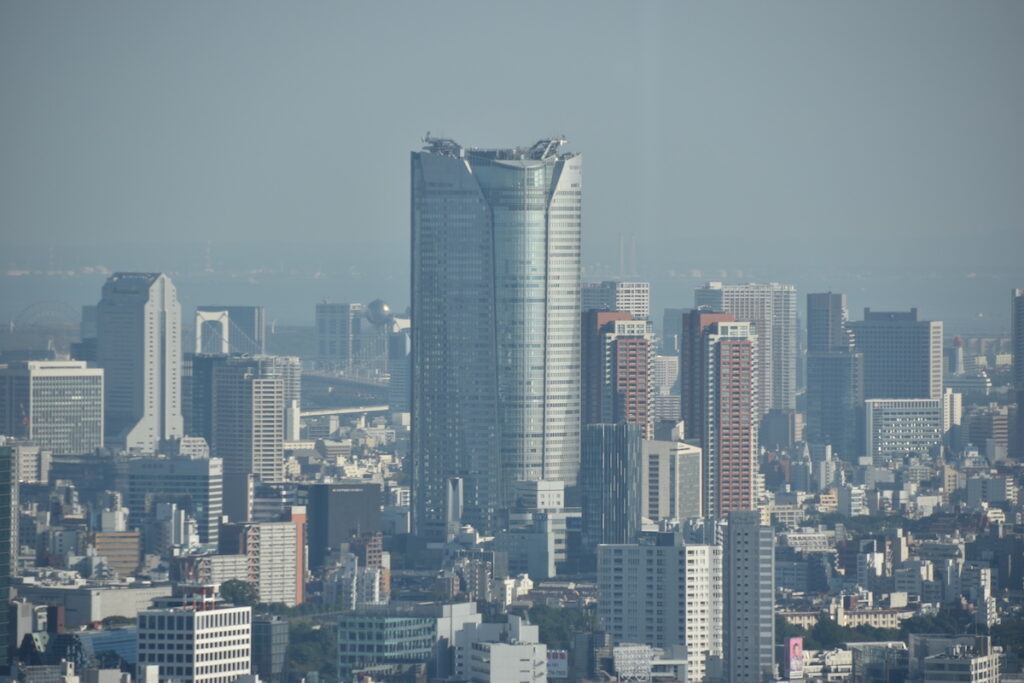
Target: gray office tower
1017	441
1017	314
247	328
749	599
338	513
138	345
199	408
8	546
496	314
902	355
195	484
772	309
337	327
611	496
269	646
835	394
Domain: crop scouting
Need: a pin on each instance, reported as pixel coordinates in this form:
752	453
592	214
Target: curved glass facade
495	277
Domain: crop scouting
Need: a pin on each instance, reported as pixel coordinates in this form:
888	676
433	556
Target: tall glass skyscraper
496	324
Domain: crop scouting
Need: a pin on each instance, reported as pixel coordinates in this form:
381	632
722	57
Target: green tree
312	648
949	620
1010	635
785	630
556	626
239	593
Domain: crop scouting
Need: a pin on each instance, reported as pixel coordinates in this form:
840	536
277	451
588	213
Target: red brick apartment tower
632	359
691	367
730	432
592	363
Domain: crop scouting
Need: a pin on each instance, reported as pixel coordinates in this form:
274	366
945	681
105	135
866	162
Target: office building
197	393
749	592
835	392
897	427
666	375
197	640
408	638
336	328
9	544
731	396
339	513
496	310
138	345
122	550
827	320
247	328
57	405
835	396
671	329
902	355
771	309
957	361
195	484
612	295
400	640
400	370
610	486
269	647
938	658
509	652
248	431
32	463
692	372
270	549
666	594
1017	315
671	480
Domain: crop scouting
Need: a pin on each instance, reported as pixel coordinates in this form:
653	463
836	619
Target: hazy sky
849	133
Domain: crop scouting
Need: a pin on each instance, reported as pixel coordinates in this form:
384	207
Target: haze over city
837	145
511	342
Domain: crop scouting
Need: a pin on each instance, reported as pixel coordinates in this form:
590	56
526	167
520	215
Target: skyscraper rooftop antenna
445	146
543	149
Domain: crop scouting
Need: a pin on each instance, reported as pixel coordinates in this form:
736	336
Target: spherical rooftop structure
378	312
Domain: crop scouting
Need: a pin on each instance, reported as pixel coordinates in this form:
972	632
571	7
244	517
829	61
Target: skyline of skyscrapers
496	314
534	449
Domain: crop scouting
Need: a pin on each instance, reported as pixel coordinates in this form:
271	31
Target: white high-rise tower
138	345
